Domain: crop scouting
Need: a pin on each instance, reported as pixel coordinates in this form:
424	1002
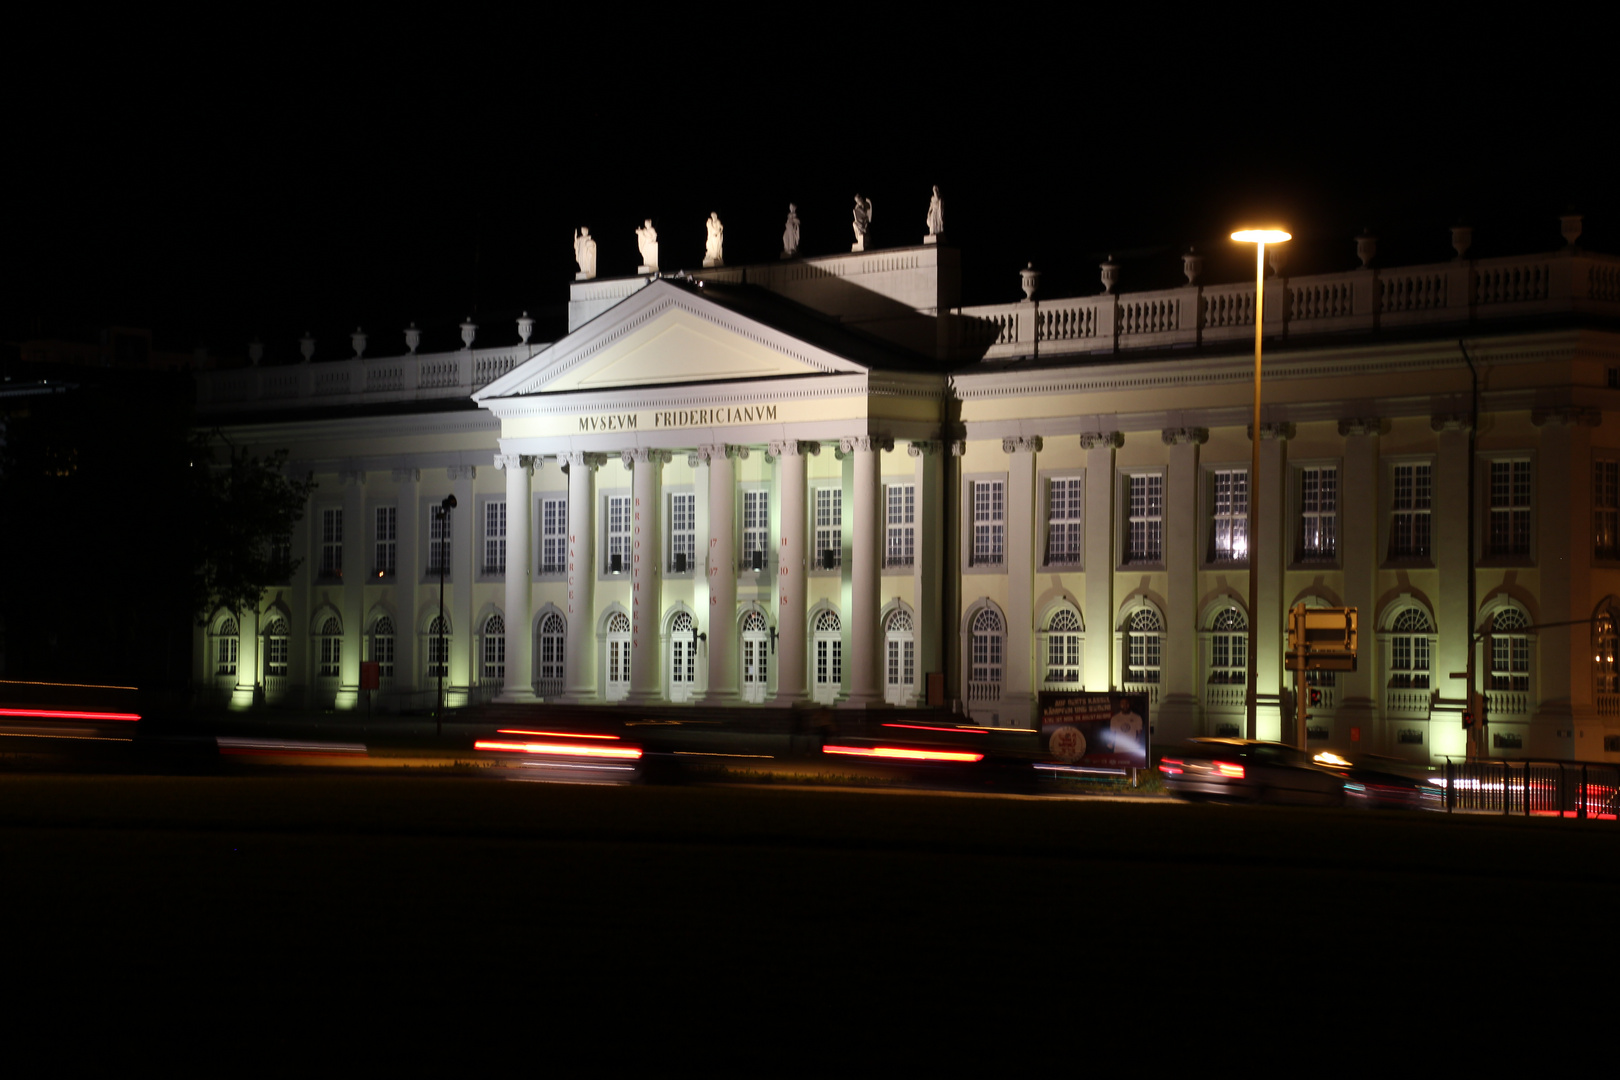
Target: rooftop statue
936	217
863	222
712	255
585	253
790	233
647	240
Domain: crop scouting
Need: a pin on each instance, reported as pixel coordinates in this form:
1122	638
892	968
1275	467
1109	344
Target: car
1385	783
1254	770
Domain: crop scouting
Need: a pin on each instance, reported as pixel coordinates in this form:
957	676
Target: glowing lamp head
1261	236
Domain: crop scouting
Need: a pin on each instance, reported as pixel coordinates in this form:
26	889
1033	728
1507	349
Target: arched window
1606	642
438	649
1410	635
1229	648
331	646
382	646
1143	635
900	642
494	647
682	656
553	632
985	671
1510	650
1063	648
755	655
828	645
276	649
618	656
225	648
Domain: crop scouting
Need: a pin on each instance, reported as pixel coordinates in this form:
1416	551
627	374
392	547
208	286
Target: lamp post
443	512
1259	238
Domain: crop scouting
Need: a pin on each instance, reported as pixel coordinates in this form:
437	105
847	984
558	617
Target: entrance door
682	657
618	656
828	646
755	664
900	683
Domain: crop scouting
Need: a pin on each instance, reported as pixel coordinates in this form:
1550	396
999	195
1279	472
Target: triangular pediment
665	334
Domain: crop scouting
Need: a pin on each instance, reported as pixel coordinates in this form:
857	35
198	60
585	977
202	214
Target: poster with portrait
1095	730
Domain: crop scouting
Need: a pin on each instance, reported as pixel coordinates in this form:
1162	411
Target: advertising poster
1095	730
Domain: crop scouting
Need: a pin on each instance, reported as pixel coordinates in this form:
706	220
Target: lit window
900	532
495	647
331	543
553	536
1063	534
551	649
1409	650
1409	522
1063	648
1144	541
829	553
1606	509
1607	644
987	644
1231	515
618	534
276	648
386	548
756	529
495	538
1229	648
225	648
1318	513
989	522
1143	637
1510	651
682	655
682	531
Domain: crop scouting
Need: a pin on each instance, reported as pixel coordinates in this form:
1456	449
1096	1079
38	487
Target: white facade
729	498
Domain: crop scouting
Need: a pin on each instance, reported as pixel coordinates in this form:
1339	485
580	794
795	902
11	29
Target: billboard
1097	730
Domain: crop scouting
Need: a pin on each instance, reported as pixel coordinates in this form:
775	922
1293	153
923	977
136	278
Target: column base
863	701
724	699
788	701
243	697
643	697
1178	719
520	695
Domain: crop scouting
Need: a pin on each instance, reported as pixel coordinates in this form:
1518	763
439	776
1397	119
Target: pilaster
791	485
579	649
1017	687
646	494
1453	561
1099	556
720	570
1358	709
927	584
1565	722
866	568
1267	557
407	572
356	569
519	683
1178	707
464	555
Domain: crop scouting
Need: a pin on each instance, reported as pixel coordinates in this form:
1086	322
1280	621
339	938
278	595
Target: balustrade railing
1150	689
1399	701
431	375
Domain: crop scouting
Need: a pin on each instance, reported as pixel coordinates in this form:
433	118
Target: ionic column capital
579	459
1091	440
352	476
923	447
1022	444
709	451
793	448
958	447
644	455
1197	436
1568	415
514	461
407	476
461	472
865	444
1450	422
1268	432
1362	425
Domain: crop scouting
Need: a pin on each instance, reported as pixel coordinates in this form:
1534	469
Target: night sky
217	186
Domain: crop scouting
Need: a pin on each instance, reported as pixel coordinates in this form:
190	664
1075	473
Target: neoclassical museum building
822	480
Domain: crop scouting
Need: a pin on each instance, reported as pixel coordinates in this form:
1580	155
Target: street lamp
1259	238
443	512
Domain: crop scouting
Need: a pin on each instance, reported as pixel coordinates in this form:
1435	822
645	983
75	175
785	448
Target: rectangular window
494	656
1510	508
331	655
829	528
900	526
438	656
1064	500
438	540
1409	520
1606	509
553	536
382	651
1144	540
1230	510
989	522
275	655
227	655
495	538
756	528
386	548
1318	513
682	531
618	534
281	555
331	543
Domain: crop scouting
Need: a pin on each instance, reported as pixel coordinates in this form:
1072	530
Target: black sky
220	185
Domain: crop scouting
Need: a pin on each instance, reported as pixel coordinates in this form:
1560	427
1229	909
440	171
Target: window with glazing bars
495	648
495	538
553	536
756	527
386	548
1231	515
989	522
1318	513
900	534
438	540
829	528
331	543
682	530
1144	541
1606	509
618	534
1063	532
1409	519
1510	508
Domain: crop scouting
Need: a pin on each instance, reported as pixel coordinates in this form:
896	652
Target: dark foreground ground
343	918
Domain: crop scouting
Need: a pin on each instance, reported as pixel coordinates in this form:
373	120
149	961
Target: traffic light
1316	697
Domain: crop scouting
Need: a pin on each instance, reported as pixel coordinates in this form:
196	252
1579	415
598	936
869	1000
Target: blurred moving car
1253	770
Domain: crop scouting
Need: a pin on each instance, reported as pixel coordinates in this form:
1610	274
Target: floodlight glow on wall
1259	238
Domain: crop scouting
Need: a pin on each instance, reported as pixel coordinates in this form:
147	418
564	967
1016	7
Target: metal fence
1572	789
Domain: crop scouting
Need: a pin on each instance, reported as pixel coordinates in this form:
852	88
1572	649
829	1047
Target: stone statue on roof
712	249
585	254
863	222
647	241
790	233
936	218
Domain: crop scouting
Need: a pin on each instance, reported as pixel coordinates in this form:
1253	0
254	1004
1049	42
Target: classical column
1017	693
1267	561
407	573
866	569
519	684
1099	554
579	649
929	561
791	570
356	569
1178	708
464	555
1357	714
1565	722
247	658
1453	562
720	568
646	491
